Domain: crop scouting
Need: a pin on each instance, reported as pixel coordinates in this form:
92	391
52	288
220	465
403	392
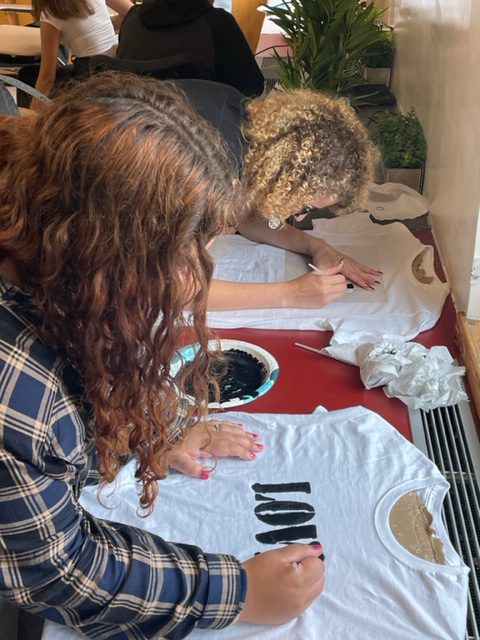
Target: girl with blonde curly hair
294	149
108	200
301	145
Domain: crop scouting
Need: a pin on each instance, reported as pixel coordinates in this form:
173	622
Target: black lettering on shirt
290	512
287	514
287	487
289	534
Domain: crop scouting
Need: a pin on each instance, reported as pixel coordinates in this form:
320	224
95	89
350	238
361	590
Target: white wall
437	70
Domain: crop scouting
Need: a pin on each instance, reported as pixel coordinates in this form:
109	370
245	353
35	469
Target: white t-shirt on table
401	306
331	477
88	36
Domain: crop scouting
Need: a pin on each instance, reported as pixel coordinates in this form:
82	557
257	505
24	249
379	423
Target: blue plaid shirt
105	579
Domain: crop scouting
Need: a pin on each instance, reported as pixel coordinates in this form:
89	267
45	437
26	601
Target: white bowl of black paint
251	371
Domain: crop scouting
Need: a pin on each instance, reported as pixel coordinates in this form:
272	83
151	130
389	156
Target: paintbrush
350	285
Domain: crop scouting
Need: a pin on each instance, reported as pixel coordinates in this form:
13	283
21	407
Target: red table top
307	379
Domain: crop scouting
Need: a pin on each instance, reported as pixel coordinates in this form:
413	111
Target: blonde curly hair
304	144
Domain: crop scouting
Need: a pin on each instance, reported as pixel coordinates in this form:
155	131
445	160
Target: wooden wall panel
249	19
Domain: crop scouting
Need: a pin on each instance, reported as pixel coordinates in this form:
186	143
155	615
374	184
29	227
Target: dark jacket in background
224	108
209	37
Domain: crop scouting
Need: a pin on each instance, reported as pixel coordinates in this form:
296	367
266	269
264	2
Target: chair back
8	106
178	66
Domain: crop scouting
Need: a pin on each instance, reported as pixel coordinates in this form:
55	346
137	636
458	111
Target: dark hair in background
107	202
64	10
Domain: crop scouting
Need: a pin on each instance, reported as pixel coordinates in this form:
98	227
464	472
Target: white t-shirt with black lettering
326	477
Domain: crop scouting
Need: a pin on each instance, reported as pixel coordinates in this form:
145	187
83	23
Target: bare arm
50	42
323	255
310	291
225	295
256	228
122	7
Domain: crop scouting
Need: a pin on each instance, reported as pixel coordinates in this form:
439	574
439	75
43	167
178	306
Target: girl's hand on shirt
282	583
314	290
213	439
360	274
324	256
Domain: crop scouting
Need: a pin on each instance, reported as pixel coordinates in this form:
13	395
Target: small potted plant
403	147
378	61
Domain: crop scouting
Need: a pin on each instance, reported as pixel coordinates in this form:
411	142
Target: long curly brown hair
303	144
107	202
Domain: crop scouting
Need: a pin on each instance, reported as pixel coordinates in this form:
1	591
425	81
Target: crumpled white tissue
422	378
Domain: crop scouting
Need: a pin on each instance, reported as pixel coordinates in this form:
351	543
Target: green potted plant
327	39
403	147
378	61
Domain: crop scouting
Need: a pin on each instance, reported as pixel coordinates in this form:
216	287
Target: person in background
108	201
293	149
83	26
211	37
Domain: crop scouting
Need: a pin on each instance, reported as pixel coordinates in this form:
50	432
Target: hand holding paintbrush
321	272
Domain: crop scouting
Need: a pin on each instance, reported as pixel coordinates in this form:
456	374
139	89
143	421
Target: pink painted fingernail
317	547
253	456
204	475
255	435
259	446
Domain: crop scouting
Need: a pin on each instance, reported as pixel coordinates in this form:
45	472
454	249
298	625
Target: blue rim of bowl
187	353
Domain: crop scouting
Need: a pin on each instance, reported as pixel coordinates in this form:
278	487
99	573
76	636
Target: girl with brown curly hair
108	201
294	149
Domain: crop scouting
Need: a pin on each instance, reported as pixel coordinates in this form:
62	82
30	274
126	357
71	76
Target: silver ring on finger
211	469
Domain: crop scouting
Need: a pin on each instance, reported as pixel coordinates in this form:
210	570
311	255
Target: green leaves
328	39
379	54
401	140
